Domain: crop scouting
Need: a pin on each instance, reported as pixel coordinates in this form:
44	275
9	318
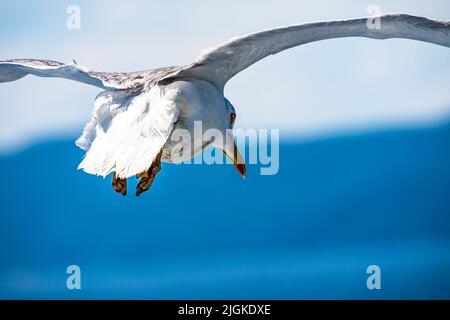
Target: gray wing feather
11	70
223	62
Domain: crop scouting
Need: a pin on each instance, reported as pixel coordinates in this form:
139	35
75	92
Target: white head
231	113
229	148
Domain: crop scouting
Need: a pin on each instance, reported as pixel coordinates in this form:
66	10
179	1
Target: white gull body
128	129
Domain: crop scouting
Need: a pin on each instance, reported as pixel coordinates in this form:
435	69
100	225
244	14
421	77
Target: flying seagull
135	117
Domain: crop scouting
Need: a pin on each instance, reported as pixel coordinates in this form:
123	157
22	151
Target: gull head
229	147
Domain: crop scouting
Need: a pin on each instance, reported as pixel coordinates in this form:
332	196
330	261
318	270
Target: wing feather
223	62
11	70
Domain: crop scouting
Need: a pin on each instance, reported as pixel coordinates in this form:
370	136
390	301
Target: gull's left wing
15	69
221	63
132	118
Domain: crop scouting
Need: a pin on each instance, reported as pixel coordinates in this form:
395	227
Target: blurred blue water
336	206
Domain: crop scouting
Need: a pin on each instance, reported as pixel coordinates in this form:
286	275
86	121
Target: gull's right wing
223	62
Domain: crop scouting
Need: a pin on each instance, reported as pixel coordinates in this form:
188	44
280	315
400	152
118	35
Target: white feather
127	132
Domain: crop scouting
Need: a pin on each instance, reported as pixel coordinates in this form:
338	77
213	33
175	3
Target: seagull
136	115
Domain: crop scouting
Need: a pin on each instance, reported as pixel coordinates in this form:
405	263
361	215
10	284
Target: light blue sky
343	84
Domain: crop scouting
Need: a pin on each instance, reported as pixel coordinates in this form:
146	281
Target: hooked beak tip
240	167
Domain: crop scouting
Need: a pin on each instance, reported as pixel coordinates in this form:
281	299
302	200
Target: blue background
337	206
364	175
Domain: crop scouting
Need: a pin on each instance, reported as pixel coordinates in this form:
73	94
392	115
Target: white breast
201	104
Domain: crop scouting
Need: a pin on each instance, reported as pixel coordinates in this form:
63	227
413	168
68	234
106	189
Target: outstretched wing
127	130
220	64
11	70
131	121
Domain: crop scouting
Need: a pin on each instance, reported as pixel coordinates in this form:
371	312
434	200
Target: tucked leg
119	185
148	176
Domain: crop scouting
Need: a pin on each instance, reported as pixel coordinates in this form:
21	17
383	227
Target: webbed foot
148	176
119	185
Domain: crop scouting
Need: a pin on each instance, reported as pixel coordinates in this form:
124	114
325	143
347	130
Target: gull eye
232	118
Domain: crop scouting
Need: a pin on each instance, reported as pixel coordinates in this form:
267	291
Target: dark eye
232	118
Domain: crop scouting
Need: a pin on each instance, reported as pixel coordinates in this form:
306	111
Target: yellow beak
232	153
